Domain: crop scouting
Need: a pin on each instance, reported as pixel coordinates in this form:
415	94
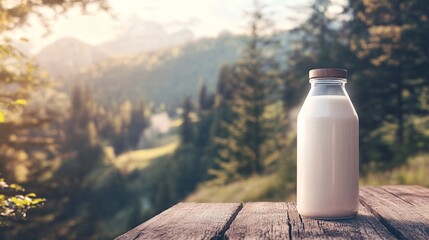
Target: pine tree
319	43
224	95
202	97
203	142
188	167
187	129
248	146
205	118
82	112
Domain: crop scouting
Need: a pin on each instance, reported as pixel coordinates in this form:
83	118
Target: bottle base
330	218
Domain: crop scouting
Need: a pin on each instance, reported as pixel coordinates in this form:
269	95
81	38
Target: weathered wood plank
363	226
417	196
403	213
261	220
386	212
282	221
187	221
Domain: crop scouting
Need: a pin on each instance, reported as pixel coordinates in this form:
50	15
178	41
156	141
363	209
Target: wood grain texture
363	226
281	221
386	212
187	221
403	210
417	196
262	220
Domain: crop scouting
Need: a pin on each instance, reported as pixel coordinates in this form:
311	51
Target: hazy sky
205	18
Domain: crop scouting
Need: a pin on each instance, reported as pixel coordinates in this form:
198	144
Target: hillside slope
163	76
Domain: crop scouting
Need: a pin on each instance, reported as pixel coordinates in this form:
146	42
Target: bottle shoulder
328	106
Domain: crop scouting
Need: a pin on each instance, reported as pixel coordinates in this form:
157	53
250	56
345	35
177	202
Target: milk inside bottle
328	149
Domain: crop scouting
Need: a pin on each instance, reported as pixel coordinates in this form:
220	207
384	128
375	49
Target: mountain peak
66	55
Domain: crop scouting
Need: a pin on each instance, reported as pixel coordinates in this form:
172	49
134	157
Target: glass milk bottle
328	149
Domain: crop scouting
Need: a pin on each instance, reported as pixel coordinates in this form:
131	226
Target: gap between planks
280	220
229	222
270	220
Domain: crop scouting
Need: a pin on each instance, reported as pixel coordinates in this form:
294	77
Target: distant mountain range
165	75
67	56
145	62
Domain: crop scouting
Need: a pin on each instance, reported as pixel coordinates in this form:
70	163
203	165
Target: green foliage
381	47
20	80
13	204
251	142
414	171
16	70
388	82
393	88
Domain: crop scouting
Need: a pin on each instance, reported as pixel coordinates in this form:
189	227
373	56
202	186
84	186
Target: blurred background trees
211	120
390	41
23	133
252	142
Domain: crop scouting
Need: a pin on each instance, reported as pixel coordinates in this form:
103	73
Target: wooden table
387	212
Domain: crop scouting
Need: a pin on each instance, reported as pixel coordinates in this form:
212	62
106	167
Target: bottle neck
325	86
